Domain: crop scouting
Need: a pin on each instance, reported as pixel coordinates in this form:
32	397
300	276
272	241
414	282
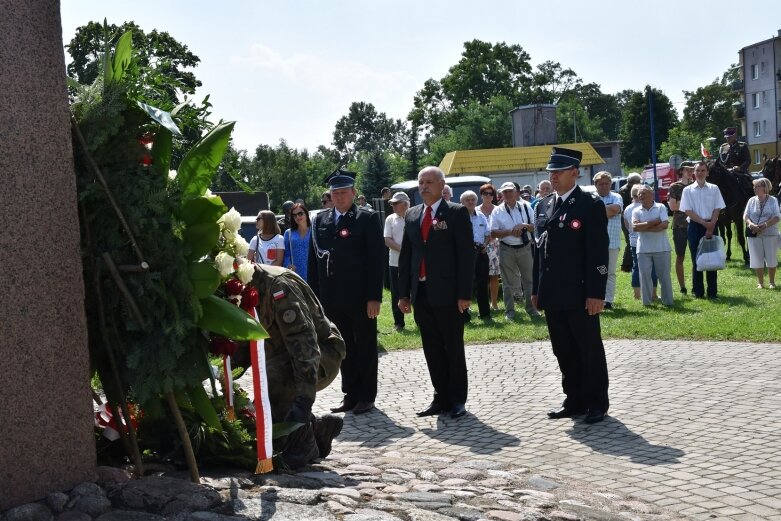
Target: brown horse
772	171
736	191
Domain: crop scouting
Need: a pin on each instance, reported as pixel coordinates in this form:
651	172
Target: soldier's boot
301	447
325	429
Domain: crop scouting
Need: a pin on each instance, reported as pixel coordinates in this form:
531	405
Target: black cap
287	205
340	179
687	164
730	131
563	158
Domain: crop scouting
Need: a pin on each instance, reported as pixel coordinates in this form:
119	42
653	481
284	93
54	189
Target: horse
772	172
736	190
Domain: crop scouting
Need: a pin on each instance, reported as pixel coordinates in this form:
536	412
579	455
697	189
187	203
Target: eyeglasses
298	214
489	194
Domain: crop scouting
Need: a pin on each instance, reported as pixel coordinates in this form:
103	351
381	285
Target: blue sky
290	69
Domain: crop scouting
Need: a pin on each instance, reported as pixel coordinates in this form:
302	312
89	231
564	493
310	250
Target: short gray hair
602	175
544	182
636	190
467	194
435	169
633	178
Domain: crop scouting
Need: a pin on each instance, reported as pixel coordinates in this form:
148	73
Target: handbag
711	255
749	232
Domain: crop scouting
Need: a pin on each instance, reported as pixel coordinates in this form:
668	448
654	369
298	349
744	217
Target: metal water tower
534	125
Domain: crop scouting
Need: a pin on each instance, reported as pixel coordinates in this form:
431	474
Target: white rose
224	263
229	235
240	246
231	220
172	174
245	272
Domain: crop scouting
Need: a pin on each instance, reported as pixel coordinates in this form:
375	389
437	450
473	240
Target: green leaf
122	55
203	210
161	151
75	85
205	278
200	163
201	238
225	319
203	406
162	117
236	176
283	429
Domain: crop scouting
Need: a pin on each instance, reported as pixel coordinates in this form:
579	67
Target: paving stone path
693	427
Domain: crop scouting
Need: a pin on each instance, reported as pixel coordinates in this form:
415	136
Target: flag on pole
704	151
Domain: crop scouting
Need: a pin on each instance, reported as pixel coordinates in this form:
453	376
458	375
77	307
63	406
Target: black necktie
559	202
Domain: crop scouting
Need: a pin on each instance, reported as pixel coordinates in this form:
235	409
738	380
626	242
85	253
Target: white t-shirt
504	218
266	253
651	242
394	229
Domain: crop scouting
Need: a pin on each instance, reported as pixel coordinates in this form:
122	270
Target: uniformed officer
737	155
570	276
303	354
346	264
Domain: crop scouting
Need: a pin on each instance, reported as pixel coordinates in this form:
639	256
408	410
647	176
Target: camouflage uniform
303	355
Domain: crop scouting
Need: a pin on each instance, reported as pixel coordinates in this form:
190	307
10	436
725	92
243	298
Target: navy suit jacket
449	254
570	265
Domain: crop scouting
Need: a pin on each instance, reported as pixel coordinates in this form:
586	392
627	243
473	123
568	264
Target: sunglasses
298	214
490	194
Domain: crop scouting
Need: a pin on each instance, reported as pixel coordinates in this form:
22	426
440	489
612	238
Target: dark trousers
577	343
442	333
695	232
398	316
626	260
481	284
359	368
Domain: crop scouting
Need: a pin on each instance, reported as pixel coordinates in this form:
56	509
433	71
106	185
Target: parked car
665	176
459	185
618	182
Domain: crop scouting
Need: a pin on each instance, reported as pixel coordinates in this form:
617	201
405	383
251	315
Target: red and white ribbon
227	373
262	404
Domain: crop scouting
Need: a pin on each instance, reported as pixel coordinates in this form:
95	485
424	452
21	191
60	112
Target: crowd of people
556	251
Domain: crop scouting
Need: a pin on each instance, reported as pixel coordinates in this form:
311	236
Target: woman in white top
268	246
488	196
762	216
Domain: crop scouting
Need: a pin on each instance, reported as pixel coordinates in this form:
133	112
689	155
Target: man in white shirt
702	202
394	233
603	181
650	221
512	223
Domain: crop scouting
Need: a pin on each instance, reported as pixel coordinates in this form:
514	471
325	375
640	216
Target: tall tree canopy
156	50
636	128
364	129
708	109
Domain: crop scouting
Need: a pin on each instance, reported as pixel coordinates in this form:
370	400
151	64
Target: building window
764	126
604	152
757	129
755	100
756	157
754	72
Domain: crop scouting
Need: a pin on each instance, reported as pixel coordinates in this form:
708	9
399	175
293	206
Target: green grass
742	312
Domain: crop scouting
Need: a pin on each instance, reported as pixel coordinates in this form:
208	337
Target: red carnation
249	298
234	287
222	346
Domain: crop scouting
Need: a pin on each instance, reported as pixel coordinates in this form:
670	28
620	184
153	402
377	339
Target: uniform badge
278	295
289	316
439	225
344	233
602	269
575	224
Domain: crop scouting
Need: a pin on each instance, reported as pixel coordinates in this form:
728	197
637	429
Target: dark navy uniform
345	271
738	156
570	266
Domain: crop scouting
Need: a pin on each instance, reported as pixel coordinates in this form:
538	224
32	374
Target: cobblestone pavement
693	426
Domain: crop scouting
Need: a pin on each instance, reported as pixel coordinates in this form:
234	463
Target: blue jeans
695	232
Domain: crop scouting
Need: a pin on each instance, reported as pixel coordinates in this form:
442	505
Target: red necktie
425	227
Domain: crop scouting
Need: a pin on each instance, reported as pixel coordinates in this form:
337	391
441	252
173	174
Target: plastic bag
711	255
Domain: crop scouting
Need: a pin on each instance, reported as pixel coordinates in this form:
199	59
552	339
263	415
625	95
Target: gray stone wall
46	440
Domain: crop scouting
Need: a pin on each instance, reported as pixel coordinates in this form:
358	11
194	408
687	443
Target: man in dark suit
570	276
436	267
345	270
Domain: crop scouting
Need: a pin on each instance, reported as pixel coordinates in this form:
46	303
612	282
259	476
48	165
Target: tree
681	141
376	176
364	129
636	128
550	82
574	124
156	50
708	109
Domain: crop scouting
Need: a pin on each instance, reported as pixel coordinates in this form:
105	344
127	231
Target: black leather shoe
432	410
565	412
346	405
457	411
363	407
594	416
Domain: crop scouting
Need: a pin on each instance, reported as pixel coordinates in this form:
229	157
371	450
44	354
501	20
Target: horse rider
737	158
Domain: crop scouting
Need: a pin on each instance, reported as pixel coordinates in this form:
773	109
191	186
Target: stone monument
46	430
